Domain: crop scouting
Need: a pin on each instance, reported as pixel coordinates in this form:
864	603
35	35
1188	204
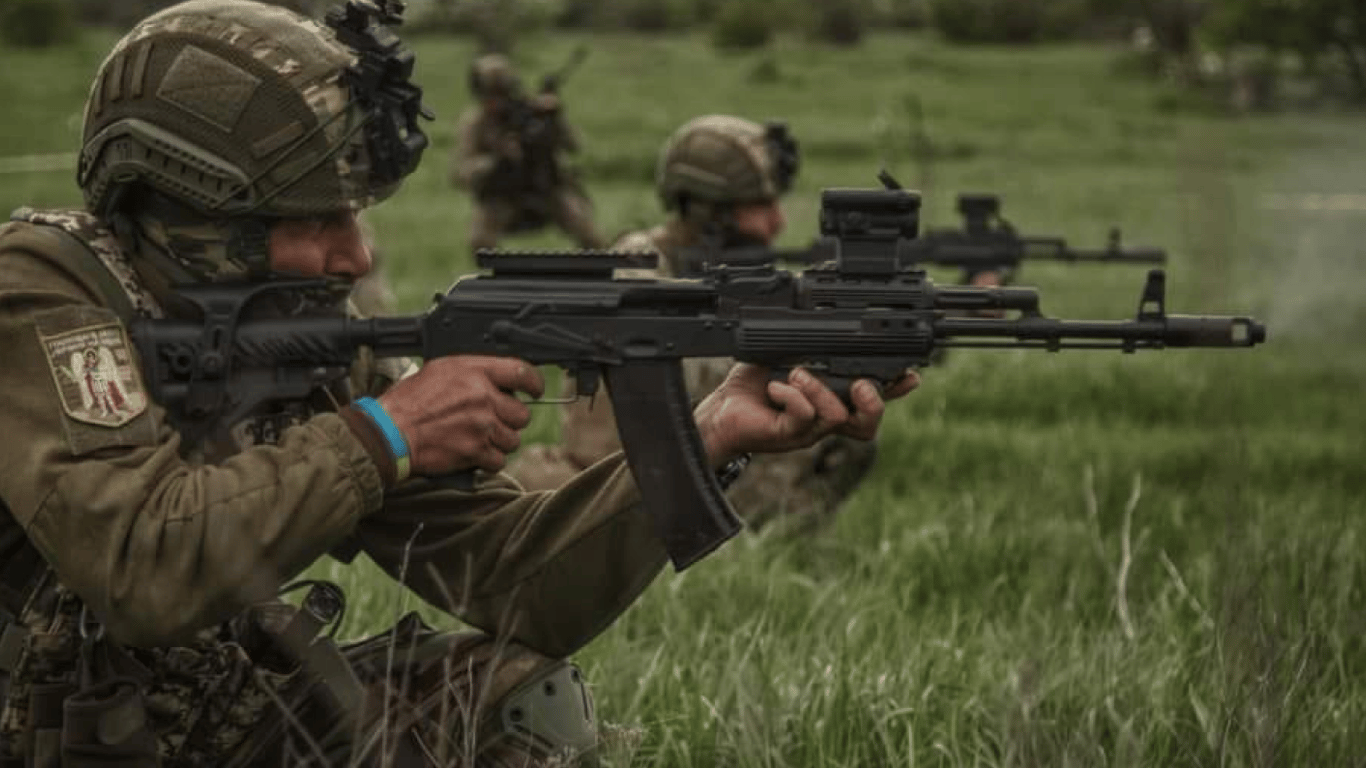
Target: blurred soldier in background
508	155
720	178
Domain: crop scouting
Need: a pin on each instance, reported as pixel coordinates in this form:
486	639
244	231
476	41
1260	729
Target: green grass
1080	559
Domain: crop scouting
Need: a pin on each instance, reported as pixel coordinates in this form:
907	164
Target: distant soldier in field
720	178
508	155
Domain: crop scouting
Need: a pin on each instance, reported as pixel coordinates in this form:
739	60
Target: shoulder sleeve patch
92	367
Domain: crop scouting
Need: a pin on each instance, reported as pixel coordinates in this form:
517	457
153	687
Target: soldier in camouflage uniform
225	140
720	177
508	155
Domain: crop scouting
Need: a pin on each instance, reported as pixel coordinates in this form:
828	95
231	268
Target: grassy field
1075	559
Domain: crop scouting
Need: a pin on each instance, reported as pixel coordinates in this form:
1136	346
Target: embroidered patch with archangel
94	371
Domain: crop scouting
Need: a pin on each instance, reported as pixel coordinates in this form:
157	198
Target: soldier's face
763	221
320	246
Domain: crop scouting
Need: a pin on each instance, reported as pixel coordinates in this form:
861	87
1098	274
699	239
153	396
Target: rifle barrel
1168	331
1057	249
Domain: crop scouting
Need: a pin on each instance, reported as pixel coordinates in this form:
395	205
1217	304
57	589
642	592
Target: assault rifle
987	241
862	314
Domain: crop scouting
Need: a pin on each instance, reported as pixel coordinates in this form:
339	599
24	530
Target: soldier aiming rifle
509	156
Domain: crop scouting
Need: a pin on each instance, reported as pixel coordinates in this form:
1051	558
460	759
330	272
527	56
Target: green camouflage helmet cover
493	75
236	108
728	160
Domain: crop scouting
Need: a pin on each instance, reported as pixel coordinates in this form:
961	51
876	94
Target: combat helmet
237	110
494	75
721	159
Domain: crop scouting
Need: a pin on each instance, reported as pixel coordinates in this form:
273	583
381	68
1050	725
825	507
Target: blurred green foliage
647	15
37	23
121	14
900	14
838	22
1325	38
744	25
1008	21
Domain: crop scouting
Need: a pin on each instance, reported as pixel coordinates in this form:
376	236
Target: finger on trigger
513	375
532	382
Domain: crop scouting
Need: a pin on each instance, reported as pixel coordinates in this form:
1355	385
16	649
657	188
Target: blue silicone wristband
398	447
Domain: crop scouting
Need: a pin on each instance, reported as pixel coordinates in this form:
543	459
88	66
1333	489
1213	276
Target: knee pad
550	714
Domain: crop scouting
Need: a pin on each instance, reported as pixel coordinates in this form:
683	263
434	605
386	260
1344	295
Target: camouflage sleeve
472	163
550	569
158	547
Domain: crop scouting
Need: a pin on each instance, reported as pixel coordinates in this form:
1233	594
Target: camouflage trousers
566	207
797	491
409	698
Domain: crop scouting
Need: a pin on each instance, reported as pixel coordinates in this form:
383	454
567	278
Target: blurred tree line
1251	44
38	23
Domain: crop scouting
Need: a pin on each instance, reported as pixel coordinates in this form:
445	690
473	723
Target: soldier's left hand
750	413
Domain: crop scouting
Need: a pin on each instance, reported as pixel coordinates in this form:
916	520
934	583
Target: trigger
586	381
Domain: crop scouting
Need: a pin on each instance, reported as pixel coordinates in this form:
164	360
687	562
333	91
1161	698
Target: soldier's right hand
462	412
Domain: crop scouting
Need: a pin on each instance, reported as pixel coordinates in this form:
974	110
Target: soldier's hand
462	412
750	413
